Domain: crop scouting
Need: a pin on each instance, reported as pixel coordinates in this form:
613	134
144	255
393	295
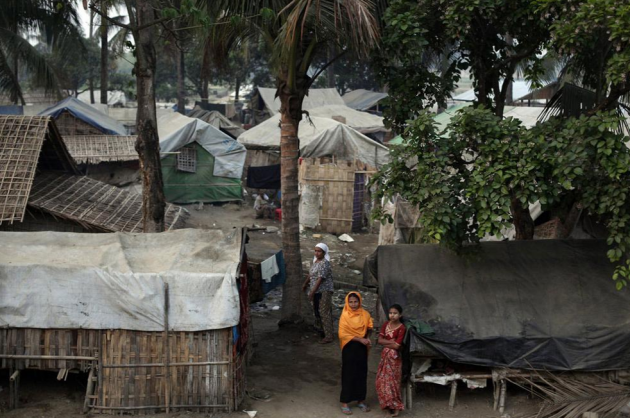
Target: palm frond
565	396
573	101
41	72
8	80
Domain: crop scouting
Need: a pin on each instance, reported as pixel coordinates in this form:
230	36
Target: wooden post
451	401
502	396
410	388
90	390
101	398
167	357
14	386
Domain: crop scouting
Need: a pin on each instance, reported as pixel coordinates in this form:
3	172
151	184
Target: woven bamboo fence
134	371
94	205
337	178
70	125
94	149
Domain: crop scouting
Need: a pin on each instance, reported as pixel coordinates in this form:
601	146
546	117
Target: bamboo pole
33	357
203	363
167	371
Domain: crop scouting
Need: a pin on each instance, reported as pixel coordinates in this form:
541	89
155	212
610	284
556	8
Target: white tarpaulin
114	97
117	281
176	131
361	99
315	98
320	137
361	121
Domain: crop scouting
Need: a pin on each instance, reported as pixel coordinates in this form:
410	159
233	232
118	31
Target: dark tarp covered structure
521	304
265	177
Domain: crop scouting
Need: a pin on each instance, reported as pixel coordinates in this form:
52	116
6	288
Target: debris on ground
346	238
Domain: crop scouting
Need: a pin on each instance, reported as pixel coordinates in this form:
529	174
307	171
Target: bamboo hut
158	322
74	117
40	188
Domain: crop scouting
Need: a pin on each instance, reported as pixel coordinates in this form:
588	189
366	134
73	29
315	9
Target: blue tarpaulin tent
87	114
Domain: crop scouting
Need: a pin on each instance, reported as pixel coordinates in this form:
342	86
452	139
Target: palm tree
59	27
296	31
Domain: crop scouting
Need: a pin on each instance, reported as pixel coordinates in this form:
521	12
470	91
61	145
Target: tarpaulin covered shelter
265	104
217	120
361	99
519	304
173	302
116	98
320	137
366	123
74	117
199	162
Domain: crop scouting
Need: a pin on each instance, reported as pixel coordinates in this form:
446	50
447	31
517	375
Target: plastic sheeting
543	304
117	281
320	137
361	121
176	130
361	99
114	97
315	98
200	186
87	114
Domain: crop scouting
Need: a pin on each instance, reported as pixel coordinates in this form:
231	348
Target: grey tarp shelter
547	304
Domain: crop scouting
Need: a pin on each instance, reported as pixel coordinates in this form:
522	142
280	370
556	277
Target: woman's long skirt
388	379
354	368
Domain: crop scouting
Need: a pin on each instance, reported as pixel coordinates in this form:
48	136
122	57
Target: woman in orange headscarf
355	325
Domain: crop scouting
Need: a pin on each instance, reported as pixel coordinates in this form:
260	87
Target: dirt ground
290	375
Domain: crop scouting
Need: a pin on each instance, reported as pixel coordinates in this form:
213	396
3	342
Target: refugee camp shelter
364	100
74	117
158	321
217	120
199	162
506	308
115	98
320	137
40	188
366	123
265	104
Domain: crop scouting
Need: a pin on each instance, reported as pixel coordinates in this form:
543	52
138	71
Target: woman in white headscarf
320	290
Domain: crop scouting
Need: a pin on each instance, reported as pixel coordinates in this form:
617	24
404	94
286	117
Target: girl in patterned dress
389	372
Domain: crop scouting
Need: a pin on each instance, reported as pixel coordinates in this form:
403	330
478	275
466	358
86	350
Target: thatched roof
95	205
93	149
26	144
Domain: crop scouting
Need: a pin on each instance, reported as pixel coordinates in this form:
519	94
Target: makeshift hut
366	123
364	100
159	322
112	159
507	308
115	98
74	117
199	162
264	103
40	188
217	120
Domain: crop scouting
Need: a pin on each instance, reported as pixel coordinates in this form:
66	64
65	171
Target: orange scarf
354	323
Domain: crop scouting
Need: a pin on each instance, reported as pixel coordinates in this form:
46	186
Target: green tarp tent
199	162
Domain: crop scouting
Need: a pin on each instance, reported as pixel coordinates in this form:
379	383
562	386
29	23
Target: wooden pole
167	371
451	401
89	390
502	397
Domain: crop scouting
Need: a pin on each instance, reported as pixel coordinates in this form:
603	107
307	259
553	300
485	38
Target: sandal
346	410
363	407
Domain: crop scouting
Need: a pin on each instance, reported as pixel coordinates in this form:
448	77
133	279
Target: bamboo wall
69	125
138	372
337	179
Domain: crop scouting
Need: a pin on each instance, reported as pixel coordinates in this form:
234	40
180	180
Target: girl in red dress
389	372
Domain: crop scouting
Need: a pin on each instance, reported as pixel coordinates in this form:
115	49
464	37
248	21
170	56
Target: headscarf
353	323
325	248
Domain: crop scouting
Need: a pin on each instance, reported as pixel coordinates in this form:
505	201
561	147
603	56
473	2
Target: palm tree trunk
237	88
291	113
147	144
104	53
